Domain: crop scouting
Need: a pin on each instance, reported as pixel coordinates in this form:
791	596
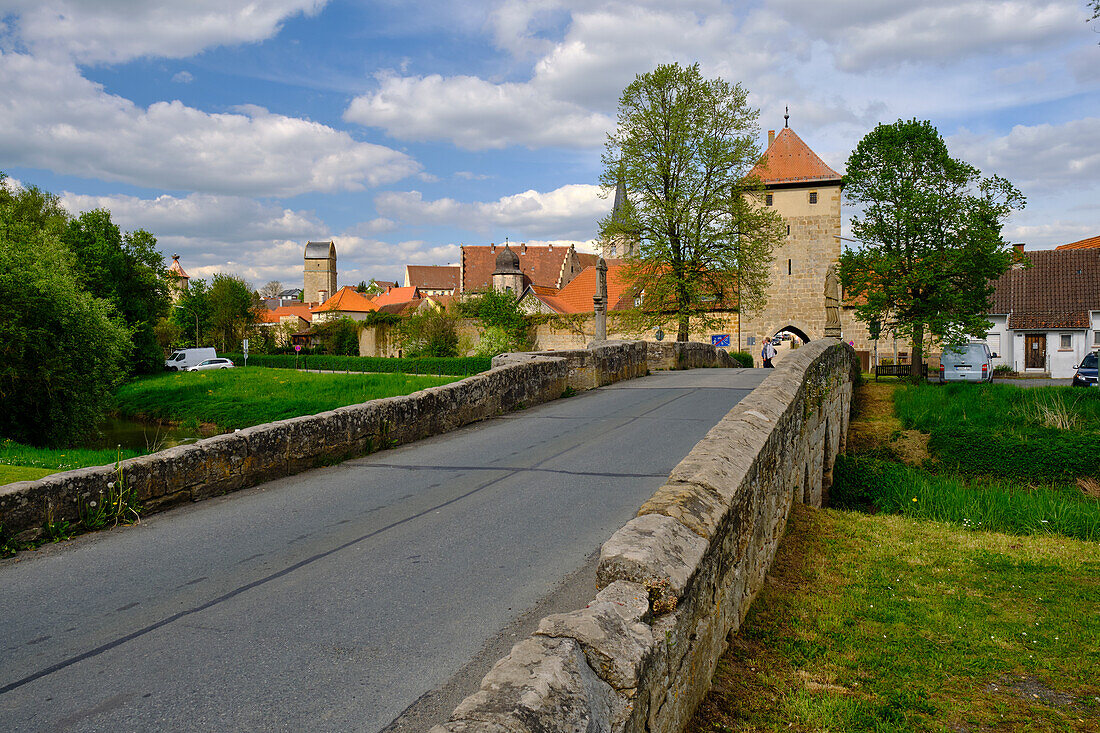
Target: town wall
677	579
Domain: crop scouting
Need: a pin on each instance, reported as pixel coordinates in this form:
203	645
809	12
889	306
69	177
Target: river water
144	436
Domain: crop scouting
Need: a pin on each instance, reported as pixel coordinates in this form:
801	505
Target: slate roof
1057	291
320	250
541	265
1090	243
347	300
789	160
433	277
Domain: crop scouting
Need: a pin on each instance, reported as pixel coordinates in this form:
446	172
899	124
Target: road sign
720	339
244	345
297	347
752	341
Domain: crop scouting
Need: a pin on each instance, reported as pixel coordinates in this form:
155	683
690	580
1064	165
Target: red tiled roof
347	300
433	277
789	160
1057	291
177	270
541	265
275	314
397	295
1090	243
576	297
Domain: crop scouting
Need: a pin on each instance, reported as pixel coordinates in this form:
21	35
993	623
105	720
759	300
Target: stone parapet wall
686	355
678	578
605	363
251	456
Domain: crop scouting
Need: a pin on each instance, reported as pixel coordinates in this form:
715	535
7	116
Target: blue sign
720	339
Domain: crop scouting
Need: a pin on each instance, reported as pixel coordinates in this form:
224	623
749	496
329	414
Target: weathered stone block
615	648
543	685
655	551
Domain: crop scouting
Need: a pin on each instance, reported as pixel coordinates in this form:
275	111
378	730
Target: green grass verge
428	365
1032	435
869	482
883	623
11	474
16	455
238	398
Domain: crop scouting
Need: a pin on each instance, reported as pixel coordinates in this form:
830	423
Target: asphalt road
340	598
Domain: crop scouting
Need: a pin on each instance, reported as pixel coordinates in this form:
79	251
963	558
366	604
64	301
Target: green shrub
1036	456
458	366
743	358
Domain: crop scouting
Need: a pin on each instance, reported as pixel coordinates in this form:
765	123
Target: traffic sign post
297	350
244	349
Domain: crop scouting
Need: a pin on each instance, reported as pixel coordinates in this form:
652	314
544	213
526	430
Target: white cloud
112	31
871	34
570	212
56	119
1041	158
183	77
475	114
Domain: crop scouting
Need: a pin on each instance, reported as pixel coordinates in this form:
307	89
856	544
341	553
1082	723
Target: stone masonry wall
677	579
610	362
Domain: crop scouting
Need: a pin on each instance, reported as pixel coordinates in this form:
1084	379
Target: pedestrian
767	354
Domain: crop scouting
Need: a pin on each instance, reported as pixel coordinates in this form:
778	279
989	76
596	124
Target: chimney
322	295
1019	247
771	137
492	246
523	247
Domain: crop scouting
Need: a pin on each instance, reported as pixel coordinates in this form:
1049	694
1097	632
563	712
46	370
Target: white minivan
966	363
182	359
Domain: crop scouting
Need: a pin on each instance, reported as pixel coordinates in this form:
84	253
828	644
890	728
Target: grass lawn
966	600
17	460
884	623
239	398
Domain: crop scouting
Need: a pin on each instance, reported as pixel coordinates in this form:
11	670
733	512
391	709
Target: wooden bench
898	370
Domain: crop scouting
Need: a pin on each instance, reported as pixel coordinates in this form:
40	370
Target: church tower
320	271
619	245
806	193
507	274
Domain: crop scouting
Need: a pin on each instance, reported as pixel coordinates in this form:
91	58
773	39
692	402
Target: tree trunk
682	330
917	359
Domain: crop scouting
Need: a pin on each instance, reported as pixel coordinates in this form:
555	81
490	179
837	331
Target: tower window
788	267
767	199
788	230
813	197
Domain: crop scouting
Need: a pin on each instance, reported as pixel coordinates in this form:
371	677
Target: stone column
599	300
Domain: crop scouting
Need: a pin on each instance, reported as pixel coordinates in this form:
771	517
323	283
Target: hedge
451	366
743	358
1036	456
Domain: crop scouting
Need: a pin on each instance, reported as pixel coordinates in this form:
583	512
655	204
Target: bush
1037	456
432	333
458	366
743	358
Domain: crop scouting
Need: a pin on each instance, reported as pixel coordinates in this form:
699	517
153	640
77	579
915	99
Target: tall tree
232	310
61	349
272	289
127	271
683	148
930	234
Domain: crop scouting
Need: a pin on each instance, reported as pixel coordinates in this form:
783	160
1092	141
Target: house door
1035	351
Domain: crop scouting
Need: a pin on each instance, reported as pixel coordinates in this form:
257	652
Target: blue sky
235	130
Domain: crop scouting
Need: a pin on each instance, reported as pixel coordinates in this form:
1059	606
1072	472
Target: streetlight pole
196	324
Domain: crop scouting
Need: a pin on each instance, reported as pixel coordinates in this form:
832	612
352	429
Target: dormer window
813	197
767	199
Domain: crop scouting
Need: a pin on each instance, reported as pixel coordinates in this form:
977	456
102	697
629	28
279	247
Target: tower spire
786	116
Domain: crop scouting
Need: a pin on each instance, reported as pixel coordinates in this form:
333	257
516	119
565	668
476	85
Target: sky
236	130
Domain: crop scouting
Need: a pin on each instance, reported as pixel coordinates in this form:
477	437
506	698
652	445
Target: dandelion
914	498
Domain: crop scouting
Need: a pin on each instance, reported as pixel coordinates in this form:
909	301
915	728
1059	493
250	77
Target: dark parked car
1086	372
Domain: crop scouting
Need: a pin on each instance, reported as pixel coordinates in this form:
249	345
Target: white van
182	359
967	363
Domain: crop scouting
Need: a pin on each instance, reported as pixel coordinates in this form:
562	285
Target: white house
1046	316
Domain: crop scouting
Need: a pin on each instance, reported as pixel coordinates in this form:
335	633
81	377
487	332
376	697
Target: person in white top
767	354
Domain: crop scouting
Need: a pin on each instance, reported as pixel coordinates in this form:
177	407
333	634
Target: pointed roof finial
786	116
